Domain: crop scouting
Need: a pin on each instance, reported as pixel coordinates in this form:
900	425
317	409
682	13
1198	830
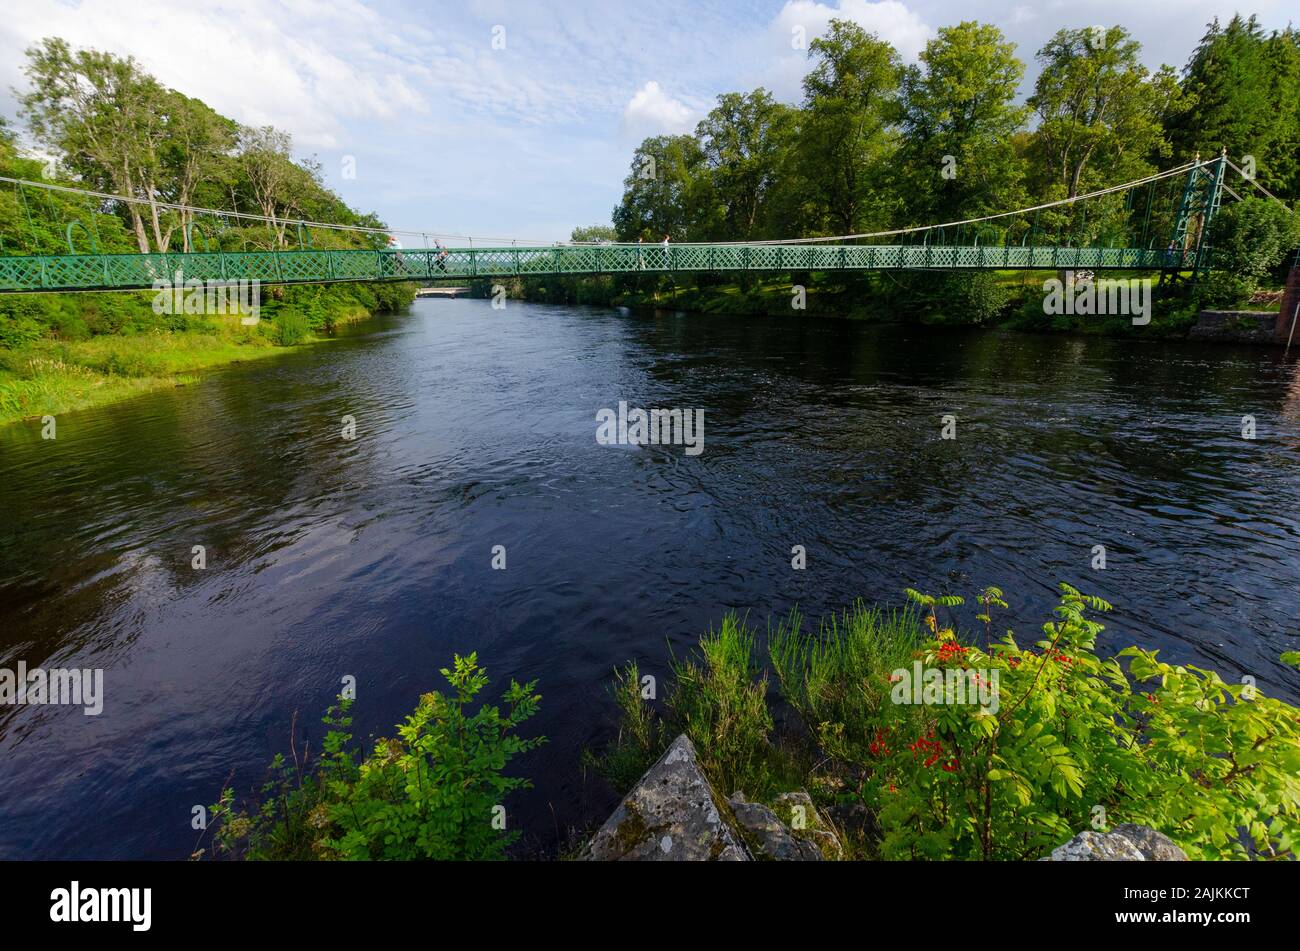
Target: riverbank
907	741
59	365
1003	300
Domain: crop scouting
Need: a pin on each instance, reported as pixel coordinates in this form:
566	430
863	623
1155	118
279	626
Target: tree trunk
137	223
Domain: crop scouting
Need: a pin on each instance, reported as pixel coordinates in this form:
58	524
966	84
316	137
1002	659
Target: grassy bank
61	353
51	377
1008	300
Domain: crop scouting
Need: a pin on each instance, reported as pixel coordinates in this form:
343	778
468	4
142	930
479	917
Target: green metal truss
1201	197
77	272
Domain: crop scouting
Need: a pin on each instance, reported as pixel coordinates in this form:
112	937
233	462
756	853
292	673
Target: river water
371	557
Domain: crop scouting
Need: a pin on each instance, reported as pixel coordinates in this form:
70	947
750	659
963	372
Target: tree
667	191
1282	163
849	105
593	234
1252	237
265	158
1241	87
1099	109
197	138
741	142
958	119
103	114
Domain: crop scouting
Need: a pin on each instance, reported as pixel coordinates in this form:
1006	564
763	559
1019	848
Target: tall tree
103	114
1099	109
959	117
279	186
667	191
1241	89
850	102
593	234
197	140
741	139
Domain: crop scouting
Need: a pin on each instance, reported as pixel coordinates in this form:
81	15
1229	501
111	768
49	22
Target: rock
1097	847
670	815
802	818
1154	846
769	836
1127	842
855	819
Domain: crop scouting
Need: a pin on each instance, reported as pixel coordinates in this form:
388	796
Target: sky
517	118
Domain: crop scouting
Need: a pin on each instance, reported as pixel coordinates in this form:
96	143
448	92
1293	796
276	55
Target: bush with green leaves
1223	289
1064	740
436	790
1075	742
1252	237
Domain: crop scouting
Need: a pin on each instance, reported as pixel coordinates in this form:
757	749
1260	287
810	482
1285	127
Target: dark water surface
477	428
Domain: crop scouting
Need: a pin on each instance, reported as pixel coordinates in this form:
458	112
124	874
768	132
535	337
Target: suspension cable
1259	186
363	229
197	210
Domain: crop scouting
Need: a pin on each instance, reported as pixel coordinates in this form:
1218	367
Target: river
372	557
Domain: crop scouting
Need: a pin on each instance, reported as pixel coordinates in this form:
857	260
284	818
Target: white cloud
307	68
1021	14
800	21
651	111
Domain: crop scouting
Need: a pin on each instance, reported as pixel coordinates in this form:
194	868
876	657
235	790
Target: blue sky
531	134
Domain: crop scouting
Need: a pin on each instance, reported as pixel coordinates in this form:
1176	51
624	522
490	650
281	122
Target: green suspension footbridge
1155	223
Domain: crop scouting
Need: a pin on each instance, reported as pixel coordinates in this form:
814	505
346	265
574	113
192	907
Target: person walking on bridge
667	259
396	246
640	260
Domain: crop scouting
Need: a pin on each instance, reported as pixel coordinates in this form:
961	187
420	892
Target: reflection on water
477	428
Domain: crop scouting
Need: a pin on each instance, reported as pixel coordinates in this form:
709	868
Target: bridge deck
143	271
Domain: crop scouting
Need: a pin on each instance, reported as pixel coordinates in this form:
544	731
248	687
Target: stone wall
1236	326
1290	298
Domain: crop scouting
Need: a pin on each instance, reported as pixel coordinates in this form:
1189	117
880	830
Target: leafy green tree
667	191
958	117
280	188
845	136
1252	237
1282	162
741	139
1241	87
197	139
103	115
591	234
1099	109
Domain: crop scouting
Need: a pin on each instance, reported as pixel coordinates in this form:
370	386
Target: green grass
840	673
51	377
720	701
836	678
642	737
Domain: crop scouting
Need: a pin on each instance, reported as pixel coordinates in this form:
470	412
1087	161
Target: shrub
433	791
1073	744
1223	289
1058	740
1252	237
292	326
